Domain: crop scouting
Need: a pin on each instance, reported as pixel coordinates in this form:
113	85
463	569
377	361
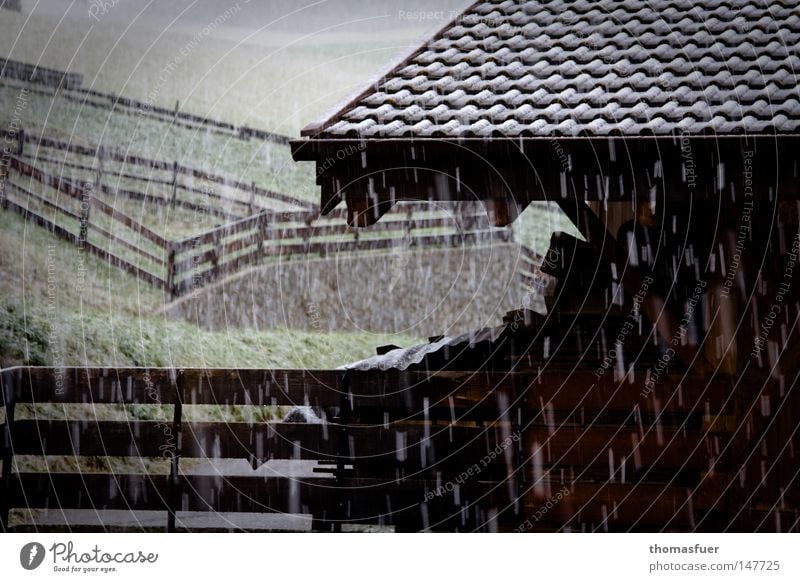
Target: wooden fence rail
411	450
39	75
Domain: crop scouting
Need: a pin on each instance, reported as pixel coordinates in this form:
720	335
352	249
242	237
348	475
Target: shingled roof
518	68
515	101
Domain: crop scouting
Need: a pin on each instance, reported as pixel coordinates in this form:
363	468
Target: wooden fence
18	199
199	259
47	149
39	75
68	86
180	266
453	451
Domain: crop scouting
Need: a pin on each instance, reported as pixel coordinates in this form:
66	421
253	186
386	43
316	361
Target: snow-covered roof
404	358
542	68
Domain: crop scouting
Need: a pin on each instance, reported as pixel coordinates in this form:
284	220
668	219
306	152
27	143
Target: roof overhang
371	175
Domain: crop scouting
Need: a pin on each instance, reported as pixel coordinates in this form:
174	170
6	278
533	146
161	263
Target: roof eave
308	149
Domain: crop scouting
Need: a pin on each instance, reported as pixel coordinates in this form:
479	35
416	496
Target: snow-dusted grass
50	313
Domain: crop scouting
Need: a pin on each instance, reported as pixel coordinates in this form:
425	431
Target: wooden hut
659	391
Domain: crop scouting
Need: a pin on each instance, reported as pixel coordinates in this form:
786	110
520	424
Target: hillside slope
418	291
61	307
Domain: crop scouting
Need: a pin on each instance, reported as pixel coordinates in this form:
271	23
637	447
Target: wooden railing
468	451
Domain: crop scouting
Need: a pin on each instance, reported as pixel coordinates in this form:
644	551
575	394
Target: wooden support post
174	469
87	194
174	196
8	391
20	142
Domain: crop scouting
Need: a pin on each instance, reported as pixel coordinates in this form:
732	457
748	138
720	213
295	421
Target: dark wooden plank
91	247
59	183
259	441
95	385
281	249
163	165
610	506
759	520
559	391
416	445
257	494
256	221
147	492
409	391
93	438
34	73
554	506
99	491
170	115
601	506
316	388
39	220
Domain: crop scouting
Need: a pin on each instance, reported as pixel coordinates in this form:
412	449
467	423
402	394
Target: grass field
62	307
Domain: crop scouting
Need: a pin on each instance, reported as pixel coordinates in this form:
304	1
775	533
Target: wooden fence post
307	235
174	196
86	205
170	267
5	162
252	198
216	257
98	176
261	231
